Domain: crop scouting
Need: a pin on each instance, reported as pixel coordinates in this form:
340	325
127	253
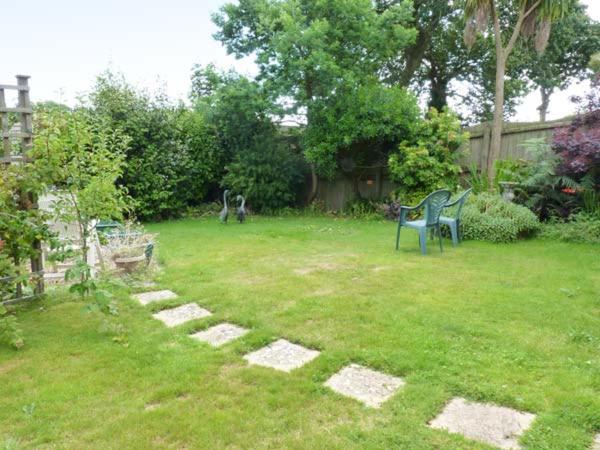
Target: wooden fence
376	184
513	136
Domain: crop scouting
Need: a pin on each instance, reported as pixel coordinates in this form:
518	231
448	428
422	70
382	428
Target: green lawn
517	325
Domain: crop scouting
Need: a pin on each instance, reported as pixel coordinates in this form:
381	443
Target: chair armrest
404	210
451	204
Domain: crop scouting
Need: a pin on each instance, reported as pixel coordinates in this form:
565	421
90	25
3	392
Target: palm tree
533	19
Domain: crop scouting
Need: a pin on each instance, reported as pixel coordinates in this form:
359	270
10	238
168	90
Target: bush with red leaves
578	145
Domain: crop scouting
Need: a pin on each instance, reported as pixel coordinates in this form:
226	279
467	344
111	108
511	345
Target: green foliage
239	110
430	160
362	209
581	228
80	159
307	50
478	180
10	333
319	57
488	217
172	156
268	175
543	189
22	228
361	125
573	40
510	170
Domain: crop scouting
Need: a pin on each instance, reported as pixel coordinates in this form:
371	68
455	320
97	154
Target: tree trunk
497	122
543	108
314	184
438	95
413	57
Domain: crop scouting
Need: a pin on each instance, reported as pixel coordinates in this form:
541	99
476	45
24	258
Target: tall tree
428	17
574	39
310	51
527	19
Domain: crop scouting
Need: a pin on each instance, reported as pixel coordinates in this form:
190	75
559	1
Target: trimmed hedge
488	217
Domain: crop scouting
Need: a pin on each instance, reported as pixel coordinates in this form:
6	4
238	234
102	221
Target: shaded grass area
517	325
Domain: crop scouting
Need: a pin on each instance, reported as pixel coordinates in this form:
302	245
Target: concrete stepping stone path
282	355
365	385
181	314
220	334
145	298
596	443
494	425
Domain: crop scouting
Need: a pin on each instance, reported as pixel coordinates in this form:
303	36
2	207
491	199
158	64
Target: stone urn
508	190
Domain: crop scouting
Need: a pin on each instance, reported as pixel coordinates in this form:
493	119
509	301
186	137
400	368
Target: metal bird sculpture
225	211
241	209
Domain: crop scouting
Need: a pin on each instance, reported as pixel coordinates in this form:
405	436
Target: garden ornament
225	211
241	209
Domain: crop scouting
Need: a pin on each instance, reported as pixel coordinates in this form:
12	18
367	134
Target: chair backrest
460	201
434	204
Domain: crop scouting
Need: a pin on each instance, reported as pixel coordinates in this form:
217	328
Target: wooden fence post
28	201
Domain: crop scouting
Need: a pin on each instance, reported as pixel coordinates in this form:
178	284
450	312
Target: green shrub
488	217
362	209
268	175
430	161
173	157
582	228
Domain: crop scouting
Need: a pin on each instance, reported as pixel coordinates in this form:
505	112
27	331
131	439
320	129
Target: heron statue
225	211
241	209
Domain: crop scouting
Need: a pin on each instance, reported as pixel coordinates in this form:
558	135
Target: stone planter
129	264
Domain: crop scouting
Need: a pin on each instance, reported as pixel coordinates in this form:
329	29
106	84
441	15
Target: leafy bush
10	333
478	180
430	161
488	217
544	191
359	126
172	157
268	175
582	228
362	209
510	170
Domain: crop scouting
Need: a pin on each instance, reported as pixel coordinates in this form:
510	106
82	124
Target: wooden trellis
11	155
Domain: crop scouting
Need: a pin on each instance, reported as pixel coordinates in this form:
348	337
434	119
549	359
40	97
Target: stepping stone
176	316
146	298
282	355
365	385
596	443
494	425
220	334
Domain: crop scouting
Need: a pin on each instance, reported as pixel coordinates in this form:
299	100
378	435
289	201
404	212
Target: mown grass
517	325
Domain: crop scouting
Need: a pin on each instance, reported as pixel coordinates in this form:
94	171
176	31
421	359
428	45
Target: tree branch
517	30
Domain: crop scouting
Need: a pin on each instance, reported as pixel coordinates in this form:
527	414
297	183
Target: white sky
66	43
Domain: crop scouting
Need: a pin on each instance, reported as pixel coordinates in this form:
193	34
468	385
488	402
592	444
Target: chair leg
440	237
454	232
423	240
398	236
458	236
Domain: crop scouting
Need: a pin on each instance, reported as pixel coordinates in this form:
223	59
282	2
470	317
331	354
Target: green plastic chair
454	222
433	205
